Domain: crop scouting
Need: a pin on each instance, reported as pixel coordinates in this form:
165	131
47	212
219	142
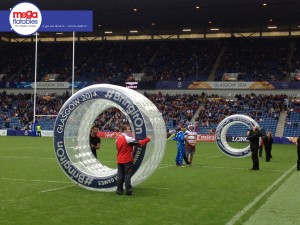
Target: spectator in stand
7	123
39	130
226	77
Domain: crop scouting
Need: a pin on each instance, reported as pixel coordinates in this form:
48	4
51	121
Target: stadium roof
173	16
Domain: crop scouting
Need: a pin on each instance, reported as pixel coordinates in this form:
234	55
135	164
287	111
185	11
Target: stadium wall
200	137
220	92
170	87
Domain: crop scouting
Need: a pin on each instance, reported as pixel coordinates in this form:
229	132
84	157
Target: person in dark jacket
253	137
298	152
268	141
95	141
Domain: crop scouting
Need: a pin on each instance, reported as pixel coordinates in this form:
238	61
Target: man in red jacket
124	144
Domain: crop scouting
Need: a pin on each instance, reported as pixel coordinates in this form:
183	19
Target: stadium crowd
206	111
253	59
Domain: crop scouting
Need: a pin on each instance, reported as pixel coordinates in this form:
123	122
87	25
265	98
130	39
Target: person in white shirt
191	139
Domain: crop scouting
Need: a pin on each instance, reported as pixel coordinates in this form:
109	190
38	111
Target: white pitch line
165	166
224	167
30	148
23	157
60	188
258	198
214	167
234	168
202	156
47	181
16	157
158	188
214	157
197	155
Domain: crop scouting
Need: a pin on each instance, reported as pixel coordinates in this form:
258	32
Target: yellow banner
231	85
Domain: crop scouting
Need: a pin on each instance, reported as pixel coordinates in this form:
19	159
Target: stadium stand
255	59
177	110
183	60
292	125
265	109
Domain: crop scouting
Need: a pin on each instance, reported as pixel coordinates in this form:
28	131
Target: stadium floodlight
72	130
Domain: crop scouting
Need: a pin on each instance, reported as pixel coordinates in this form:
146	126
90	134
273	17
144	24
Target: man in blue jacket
180	139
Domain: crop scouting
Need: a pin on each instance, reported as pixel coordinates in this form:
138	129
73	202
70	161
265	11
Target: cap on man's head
191	126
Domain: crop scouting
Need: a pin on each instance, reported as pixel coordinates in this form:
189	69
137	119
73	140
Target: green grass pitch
34	189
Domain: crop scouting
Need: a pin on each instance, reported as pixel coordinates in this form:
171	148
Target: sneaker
119	192
128	193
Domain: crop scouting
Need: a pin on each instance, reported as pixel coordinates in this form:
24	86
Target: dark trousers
124	176
189	152
260	151
255	158
268	153
94	151
298	161
186	160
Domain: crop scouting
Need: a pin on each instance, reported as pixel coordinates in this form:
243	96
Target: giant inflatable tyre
72	129
221	132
